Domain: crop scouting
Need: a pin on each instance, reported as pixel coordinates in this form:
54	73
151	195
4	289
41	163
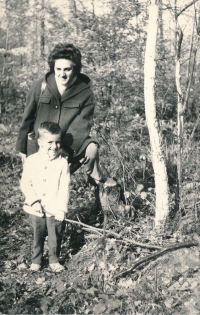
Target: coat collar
82	82
51	82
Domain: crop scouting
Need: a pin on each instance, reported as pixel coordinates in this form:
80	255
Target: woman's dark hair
65	51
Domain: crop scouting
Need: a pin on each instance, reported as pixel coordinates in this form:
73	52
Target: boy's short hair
50	127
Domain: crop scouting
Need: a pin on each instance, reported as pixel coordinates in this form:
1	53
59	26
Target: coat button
45	167
44	194
56	107
44	180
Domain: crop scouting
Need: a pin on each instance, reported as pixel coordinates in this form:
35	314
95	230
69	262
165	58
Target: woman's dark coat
73	111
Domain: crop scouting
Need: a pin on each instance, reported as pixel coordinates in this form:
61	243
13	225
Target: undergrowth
93	282
99	257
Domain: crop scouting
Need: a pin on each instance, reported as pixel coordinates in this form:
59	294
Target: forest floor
101	276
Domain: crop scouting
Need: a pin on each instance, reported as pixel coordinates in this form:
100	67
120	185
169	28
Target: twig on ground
118	236
89	230
156	255
109	232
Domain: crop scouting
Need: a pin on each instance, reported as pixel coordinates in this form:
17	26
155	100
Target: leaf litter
168	285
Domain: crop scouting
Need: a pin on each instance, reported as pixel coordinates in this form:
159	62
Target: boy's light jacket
73	111
47	181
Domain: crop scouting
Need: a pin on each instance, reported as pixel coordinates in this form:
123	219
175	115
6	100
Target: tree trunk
158	160
190	55
73	8
161	20
42	25
178	39
181	106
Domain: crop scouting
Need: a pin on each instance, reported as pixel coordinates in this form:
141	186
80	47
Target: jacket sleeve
26	184
63	191
28	117
80	127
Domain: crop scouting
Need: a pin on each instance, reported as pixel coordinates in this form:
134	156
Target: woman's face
64	71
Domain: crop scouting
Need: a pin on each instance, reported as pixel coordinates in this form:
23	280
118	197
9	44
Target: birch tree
181	100
157	155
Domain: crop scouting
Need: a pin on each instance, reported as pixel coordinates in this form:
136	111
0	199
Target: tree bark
179	38
181	106
42	26
161	20
158	160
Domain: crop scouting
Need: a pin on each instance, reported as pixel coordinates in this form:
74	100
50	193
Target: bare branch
186	7
101	232
118	236
179	43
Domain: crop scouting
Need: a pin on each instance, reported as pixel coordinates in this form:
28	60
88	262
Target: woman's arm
28	117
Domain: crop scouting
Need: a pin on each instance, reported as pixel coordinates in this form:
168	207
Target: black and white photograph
100	157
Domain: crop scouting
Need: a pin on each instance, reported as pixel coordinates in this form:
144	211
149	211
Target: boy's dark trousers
54	228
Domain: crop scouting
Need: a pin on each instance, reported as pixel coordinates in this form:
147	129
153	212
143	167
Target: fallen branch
100	232
118	236
92	230
156	255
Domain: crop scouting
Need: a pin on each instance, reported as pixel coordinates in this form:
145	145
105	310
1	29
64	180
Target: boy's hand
37	207
60	215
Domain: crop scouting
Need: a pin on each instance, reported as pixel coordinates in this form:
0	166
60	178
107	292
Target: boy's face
49	144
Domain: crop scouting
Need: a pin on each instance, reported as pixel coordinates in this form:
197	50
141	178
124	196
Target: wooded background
143	59
112	37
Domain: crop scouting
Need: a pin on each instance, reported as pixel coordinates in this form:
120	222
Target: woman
64	96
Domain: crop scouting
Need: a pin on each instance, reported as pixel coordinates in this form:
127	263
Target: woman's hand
23	156
60	215
63	153
84	160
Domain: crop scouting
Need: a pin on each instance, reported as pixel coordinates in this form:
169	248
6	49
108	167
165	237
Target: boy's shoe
35	267
56	267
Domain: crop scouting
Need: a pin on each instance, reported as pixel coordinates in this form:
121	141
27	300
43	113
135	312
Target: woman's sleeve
28	117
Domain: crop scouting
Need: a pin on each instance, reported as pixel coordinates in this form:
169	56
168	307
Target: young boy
45	184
